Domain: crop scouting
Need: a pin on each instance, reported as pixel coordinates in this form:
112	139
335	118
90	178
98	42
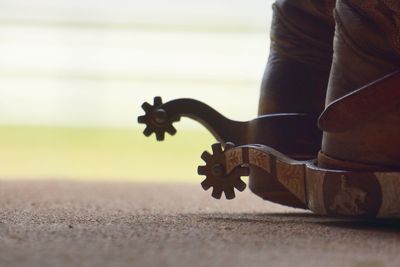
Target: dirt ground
59	223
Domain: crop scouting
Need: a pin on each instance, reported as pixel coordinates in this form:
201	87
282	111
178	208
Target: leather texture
364	51
298	67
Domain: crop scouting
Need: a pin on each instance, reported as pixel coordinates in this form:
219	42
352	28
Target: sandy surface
123	224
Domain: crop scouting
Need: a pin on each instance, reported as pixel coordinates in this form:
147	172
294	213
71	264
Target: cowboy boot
296	75
366	48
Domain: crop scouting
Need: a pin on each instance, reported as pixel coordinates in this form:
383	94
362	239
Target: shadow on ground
381	225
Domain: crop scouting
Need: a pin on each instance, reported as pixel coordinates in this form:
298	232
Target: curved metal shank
295	134
222	128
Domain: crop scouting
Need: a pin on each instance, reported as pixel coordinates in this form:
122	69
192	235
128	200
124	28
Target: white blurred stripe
93	76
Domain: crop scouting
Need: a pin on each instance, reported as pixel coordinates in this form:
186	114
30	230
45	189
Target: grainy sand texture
61	223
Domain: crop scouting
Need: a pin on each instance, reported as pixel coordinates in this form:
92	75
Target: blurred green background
73	75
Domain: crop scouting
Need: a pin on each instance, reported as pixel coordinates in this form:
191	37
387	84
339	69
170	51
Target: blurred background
73	75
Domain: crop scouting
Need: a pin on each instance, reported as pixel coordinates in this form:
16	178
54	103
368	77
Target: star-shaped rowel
216	176
157	119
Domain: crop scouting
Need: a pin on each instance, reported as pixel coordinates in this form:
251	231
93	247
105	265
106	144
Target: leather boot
297	73
299	62
366	48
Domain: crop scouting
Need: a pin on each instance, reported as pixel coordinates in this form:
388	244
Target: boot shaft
364	49
300	58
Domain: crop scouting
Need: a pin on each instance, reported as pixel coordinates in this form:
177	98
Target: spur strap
362	105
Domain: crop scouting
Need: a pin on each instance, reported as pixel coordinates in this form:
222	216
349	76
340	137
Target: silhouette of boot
297	72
